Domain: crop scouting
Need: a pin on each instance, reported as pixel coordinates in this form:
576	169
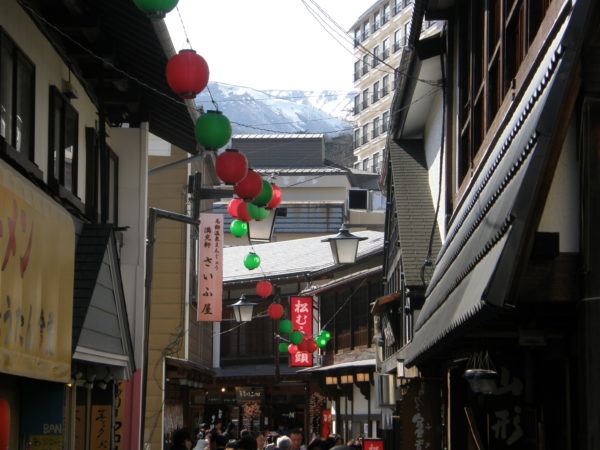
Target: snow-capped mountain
254	111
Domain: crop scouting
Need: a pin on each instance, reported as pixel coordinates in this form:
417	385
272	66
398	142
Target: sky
270	44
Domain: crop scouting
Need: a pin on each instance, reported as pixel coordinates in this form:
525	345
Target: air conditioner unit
385	387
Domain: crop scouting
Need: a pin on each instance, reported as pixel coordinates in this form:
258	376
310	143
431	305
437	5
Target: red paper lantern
276	198
242	212
4	424
303	346
264	288
187	73
292	349
232	207
275	311
311	346
250	186
231	166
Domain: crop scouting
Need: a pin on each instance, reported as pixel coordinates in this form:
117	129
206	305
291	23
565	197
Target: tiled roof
300	170
298	256
277	136
414	207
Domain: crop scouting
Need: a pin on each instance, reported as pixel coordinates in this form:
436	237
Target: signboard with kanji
210	268
372	444
302	317
420	420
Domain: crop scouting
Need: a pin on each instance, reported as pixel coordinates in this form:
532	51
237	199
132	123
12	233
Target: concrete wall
561	212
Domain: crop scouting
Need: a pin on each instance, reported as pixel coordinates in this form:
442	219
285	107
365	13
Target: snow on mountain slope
263	112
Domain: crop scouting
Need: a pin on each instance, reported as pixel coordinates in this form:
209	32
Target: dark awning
100	326
485	244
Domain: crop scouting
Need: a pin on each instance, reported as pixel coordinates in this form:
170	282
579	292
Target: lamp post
242	309
344	246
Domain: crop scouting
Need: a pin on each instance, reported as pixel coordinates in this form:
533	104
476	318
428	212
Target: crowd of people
215	438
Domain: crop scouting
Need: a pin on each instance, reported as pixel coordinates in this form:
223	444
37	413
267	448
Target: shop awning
342	366
100	325
485	245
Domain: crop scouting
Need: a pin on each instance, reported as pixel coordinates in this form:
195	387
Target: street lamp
262	230
242	309
344	246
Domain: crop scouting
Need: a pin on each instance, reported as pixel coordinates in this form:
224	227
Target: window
356	37
17	98
375	129
376	56
358	198
365	65
365	33
63	143
365	98
356	141
496	40
375	91
408	2
356	104
376	167
385	48
406	33
385	81
357	165
102	174
365	163
397	6
397	40
376	21
365	137
384	121
356	70
386	14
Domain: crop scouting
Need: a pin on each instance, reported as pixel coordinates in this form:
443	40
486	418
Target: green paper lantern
253	210
285	326
262	214
251	261
283	347
296	337
265	196
321	342
326	334
238	228
213	130
156	9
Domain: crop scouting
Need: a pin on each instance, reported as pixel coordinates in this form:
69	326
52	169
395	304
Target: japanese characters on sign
37	253
101	426
210	268
372	444
302	319
420	416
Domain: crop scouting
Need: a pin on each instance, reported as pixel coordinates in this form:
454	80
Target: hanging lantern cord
212	99
187	39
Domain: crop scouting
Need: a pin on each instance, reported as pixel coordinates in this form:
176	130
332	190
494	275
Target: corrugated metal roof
313	290
298	256
300	171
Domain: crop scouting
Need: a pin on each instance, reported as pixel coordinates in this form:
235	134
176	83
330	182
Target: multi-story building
380	34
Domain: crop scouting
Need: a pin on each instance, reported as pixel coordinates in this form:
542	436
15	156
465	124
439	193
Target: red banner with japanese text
372	444
325	423
302	319
210	268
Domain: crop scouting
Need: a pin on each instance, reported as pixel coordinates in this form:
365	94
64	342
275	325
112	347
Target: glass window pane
25	94
57	121
70	149
6	98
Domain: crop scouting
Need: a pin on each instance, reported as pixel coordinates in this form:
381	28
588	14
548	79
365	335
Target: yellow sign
37	252
101	427
120	416
45	442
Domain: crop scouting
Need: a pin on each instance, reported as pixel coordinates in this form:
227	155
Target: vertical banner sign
420	422
120	416
210	268
101	426
325	423
302	319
